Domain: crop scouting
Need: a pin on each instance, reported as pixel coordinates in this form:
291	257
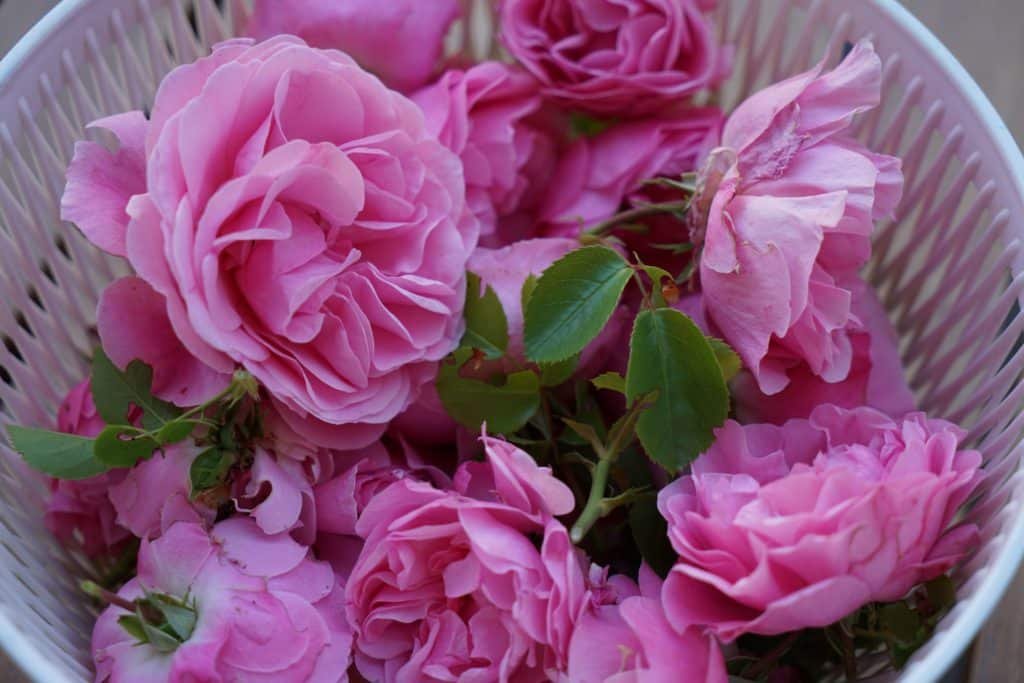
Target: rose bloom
323	254
597	175
876	378
626	639
357	479
265	610
399	40
451	585
791	202
628	57
80	511
490	115
791	527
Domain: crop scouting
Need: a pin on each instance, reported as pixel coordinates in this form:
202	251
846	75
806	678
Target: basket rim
998	575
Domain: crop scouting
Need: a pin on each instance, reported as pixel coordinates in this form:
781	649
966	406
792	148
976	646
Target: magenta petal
400	40
282	508
133	324
256	553
101	182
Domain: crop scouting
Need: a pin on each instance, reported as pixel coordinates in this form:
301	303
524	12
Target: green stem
213	401
594	508
648	301
102	594
635	213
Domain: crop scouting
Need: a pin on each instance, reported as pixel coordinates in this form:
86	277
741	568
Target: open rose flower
627	639
80	511
450	585
618	57
323	254
784	528
263	610
357	478
399	40
876	378
791	202
489	116
598	174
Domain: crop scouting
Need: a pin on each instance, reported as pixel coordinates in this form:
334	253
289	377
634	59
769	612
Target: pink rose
399	40
629	640
358	478
79	511
323	254
598	174
155	493
488	115
791	203
617	57
876	378
264	610
450	586
784	528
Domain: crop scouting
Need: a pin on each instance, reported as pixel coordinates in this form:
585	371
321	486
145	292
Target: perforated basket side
948	268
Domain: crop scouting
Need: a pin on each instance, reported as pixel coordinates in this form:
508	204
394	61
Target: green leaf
486	324
175	432
114	392
650	533
159	639
65	456
529	284
180	618
587	433
471	402
941	593
612	381
133	625
901	621
728	359
670	355
121	446
209	469
657	274
572	302
553	374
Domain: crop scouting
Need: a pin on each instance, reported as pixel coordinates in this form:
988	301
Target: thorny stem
633	214
594	508
648	302
621	436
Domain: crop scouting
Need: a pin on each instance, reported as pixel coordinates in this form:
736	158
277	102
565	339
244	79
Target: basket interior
948	270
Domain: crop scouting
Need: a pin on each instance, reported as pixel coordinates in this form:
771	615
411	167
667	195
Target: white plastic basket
950	270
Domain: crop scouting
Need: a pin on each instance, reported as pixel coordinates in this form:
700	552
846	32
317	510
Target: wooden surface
987	37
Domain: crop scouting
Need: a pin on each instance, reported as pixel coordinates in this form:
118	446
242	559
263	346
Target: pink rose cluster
300	208
780	528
